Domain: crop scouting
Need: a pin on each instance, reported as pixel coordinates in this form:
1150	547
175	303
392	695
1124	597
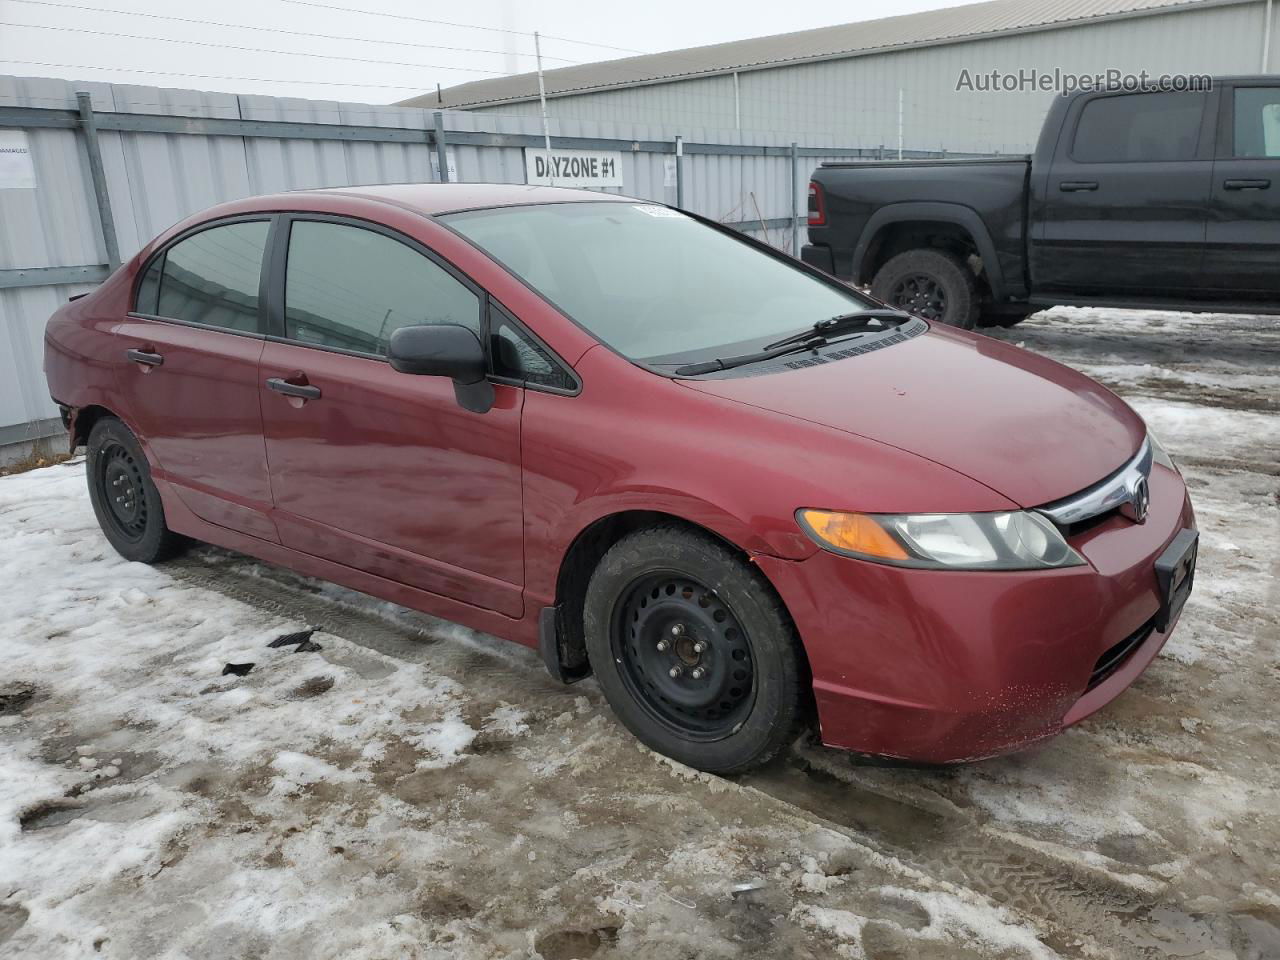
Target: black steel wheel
125	499
935	284
119	476
684	656
694	650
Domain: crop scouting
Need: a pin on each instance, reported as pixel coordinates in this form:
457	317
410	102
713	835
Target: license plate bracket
1176	574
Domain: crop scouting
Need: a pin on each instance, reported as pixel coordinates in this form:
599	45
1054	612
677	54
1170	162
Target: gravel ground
413	789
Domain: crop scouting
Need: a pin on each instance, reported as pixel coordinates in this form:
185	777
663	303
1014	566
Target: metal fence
116	164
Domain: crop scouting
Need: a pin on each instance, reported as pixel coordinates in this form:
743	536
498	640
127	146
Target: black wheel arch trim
937	212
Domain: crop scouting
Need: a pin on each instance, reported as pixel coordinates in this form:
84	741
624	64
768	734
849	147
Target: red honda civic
736	490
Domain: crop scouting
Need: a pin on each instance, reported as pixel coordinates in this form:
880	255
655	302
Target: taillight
817	206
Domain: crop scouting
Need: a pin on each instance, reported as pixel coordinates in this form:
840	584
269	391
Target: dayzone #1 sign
573	168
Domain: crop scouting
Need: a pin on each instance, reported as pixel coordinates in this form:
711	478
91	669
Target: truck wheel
694	651
124	497
933	284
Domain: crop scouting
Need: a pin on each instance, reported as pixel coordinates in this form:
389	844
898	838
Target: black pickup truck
1139	199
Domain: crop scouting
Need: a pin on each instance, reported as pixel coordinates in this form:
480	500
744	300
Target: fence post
795	199
680	172
106	220
442	153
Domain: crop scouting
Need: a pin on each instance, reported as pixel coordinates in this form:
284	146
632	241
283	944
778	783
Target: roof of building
929	28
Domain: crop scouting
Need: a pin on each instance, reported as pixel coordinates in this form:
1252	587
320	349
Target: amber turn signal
852	533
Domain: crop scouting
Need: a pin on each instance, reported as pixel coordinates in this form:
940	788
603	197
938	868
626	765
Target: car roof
437	198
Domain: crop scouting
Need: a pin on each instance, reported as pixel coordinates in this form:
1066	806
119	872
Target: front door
379	470
1243	255
188	372
1124	205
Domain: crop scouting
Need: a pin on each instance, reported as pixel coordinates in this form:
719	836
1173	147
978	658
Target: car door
1243	242
188	371
1126	201
380	470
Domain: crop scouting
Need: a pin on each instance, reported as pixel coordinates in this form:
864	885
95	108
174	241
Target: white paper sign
573	168
17	169
452	162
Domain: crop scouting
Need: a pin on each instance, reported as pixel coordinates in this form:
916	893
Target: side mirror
445	350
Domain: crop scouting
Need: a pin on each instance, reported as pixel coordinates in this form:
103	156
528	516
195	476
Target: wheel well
86	417
585	554
896	238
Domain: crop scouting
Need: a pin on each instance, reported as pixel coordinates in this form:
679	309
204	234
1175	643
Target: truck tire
933	284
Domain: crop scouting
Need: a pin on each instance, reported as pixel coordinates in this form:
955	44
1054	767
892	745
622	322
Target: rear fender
935	212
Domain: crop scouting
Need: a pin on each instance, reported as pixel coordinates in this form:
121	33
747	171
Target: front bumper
940	666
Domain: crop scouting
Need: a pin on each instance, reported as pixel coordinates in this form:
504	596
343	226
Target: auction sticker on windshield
573	168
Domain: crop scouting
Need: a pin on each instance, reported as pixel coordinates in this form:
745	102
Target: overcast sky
132	41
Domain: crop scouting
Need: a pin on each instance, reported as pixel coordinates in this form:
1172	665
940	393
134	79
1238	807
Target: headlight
957	541
1159	454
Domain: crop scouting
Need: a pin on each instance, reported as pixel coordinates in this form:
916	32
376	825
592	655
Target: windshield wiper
811	339
844	323
711	366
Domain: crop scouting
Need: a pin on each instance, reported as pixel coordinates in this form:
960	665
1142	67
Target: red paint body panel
387	473
200	412
1020	423
386	485
941	666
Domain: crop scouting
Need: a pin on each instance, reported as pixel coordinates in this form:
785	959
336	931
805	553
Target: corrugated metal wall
156	179
856	100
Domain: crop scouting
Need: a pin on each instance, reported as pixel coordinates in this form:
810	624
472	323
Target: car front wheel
125	499
696	654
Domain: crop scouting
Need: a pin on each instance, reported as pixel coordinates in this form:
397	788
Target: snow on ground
413	789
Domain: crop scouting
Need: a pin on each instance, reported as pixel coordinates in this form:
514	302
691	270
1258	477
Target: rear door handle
1247	184
302	391
1077	186
146	357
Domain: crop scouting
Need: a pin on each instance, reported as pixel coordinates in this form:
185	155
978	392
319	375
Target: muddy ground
413	789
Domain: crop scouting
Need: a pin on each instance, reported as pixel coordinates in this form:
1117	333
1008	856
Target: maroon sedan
736	490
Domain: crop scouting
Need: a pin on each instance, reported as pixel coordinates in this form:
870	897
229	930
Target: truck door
1242	257
1125	205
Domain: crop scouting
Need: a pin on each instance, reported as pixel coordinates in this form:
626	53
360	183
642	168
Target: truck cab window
1139	128
1257	122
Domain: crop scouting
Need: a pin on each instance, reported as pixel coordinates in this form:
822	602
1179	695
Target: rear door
1243	249
375	469
188	371
1127	198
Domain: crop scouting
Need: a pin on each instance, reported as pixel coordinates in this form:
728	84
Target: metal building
894	80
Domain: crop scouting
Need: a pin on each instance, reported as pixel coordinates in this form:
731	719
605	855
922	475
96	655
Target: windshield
655	285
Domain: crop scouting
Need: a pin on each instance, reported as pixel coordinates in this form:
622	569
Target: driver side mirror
445	350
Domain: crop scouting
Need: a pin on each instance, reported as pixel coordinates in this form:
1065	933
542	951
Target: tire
933	284
125	499
655	584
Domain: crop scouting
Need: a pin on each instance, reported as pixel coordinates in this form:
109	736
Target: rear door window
351	288
210	278
1139	128
1257	122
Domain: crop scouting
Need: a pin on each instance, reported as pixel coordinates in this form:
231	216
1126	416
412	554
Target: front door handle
1077	186
303	391
147	356
1247	184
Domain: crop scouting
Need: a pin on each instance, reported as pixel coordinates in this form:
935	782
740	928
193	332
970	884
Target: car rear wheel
125	499
694	651
933	284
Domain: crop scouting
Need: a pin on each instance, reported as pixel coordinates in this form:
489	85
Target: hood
1023	425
